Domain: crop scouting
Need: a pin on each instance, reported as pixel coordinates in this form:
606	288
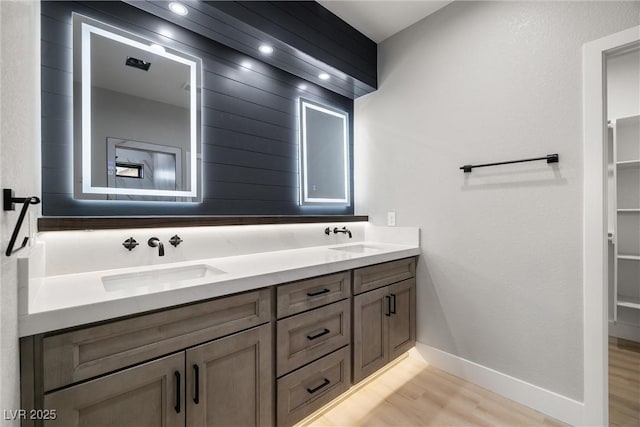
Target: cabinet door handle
325	331
393	298
316	293
177	407
388	299
196	373
325	383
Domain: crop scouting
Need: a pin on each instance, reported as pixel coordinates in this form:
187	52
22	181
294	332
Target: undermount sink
359	248
158	277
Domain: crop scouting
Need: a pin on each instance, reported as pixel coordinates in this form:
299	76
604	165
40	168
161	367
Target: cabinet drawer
376	276
306	390
308	336
304	295
85	353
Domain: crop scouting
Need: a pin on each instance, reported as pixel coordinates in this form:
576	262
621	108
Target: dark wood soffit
113	223
217	21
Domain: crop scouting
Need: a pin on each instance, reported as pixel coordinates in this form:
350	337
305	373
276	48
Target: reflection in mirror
136	117
324	155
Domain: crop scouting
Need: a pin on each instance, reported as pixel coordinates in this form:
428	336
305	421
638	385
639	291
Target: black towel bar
8	204
550	158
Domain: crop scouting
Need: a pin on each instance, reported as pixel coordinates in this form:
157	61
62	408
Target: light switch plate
391	219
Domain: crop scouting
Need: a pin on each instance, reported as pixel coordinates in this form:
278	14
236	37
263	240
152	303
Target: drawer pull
318	335
177	407
196	374
325	383
316	293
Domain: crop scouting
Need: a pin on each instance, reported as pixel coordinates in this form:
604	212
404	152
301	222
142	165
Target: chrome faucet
155	242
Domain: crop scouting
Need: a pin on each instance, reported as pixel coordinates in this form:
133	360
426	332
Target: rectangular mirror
324	155
136	117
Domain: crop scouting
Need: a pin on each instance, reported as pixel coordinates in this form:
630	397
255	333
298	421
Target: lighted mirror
324	155
136	117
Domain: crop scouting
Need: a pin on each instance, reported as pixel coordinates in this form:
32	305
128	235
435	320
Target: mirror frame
87	26
304	160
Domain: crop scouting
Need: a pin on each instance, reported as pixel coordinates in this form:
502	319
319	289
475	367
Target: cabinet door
230	381
402	323
370	332
148	395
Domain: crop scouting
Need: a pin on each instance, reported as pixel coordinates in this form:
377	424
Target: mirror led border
304	191
87	187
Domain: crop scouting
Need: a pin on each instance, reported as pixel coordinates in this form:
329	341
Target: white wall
623	85
500	280
19	164
155	122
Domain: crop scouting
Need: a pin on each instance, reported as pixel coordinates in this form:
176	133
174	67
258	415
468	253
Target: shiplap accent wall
249	118
310	28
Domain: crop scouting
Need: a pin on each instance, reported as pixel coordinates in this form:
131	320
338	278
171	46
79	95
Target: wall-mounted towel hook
9	204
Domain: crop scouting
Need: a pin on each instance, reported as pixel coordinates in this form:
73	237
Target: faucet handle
130	243
175	241
327	231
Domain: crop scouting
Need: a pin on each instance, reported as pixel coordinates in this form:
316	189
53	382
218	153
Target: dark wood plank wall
310	28
249	121
307	38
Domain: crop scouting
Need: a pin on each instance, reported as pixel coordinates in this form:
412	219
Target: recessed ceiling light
157	48
266	49
324	76
166	31
178	8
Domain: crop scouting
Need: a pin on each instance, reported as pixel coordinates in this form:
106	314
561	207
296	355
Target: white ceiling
380	19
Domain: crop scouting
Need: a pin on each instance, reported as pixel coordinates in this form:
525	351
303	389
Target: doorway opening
611	208
622	68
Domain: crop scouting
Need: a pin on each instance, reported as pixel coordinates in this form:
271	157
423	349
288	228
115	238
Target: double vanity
251	339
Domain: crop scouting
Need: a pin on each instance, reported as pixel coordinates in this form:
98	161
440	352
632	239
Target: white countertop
68	300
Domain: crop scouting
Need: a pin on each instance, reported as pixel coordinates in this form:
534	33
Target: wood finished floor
624	383
412	393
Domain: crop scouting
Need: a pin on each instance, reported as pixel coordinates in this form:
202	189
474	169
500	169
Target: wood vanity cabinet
383	318
269	356
227	383
313	356
203	364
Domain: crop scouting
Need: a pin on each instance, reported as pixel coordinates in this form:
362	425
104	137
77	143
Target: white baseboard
548	402
624	330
